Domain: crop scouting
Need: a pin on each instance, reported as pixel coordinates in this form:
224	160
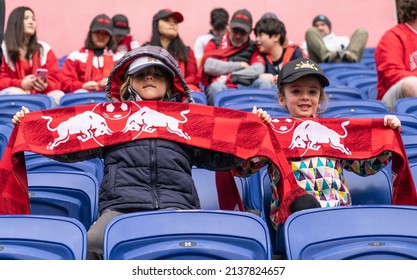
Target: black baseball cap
242	19
120	25
102	22
167	13
298	68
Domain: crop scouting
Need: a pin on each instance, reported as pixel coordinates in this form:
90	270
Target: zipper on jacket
153	173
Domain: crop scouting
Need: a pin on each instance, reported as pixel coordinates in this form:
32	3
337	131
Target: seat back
238	96
34	102
205	183
273	108
5	132
406	106
199	97
62	193
38	237
343	93
410	146
352	232
372	189
38	162
73	99
337	108
187	235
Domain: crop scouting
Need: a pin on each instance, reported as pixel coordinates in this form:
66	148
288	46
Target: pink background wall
64	23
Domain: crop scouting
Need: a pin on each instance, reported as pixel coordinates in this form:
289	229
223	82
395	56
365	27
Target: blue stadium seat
410	146
377	232
39	237
413	168
406	106
74	99
199	97
343	93
187	235
273	108
34	102
372	93
62	193
337	108
5	132
330	68
6	114
348	75
205	183
38	162
237	96
363	85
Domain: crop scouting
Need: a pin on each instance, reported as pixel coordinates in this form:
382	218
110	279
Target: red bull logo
91	125
311	135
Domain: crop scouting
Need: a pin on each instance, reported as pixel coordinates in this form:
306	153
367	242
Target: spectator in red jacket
396	57
88	68
165	34
23	55
121	30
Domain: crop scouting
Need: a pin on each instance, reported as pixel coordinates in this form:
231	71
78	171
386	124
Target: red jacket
12	73
83	66
128	43
189	71
395	57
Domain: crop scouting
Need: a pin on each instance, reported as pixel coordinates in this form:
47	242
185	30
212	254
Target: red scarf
59	131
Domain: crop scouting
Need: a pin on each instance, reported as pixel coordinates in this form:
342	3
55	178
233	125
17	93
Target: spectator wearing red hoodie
23	55
87	69
121	31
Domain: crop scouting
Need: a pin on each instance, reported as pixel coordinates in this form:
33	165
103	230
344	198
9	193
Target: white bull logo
310	134
147	120
88	124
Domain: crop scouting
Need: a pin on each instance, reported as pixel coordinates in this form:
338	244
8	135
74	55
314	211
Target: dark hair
219	18
176	48
407	10
14	36
271	26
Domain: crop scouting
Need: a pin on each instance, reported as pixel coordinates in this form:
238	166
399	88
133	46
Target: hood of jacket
117	74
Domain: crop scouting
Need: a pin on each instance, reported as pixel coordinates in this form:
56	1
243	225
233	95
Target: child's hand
18	117
392	121
263	115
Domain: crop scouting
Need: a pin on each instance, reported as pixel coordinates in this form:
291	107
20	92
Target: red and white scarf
75	129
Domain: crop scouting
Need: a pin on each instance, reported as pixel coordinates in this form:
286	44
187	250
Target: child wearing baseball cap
147	174
301	86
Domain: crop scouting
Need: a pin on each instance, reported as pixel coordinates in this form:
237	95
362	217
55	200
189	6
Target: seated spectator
396	57
235	63
125	42
270	39
322	45
23	55
219	21
88	68
165	34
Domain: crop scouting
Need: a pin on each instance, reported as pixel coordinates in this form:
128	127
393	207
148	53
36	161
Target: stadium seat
39	237
5	132
238	96
406	106
74	99
330	68
62	193
413	168
273	108
372	189
377	232
6	114
348	75
410	146
342	107
408	122
199	97
363	84
34	102
343	93
38	162
205	183
372	93
187	235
